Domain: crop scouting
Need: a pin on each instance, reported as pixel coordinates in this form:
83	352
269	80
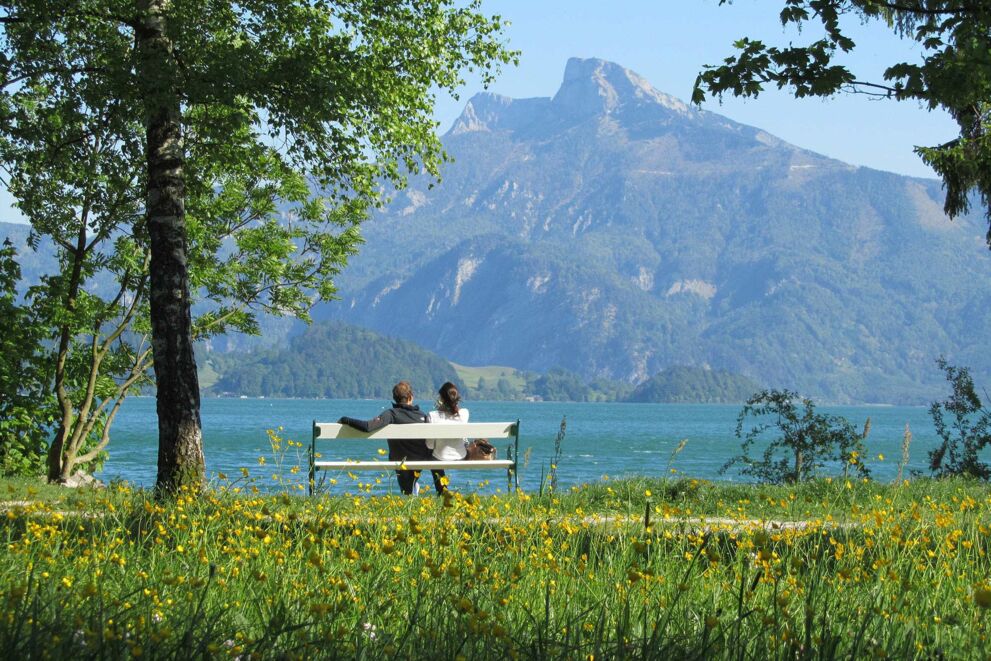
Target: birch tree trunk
180	437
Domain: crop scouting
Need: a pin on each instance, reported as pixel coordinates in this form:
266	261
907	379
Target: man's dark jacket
399	414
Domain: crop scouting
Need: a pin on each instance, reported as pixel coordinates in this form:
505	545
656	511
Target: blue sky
668	42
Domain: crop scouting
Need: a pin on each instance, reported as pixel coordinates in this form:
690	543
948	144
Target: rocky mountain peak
481	110
493	112
592	87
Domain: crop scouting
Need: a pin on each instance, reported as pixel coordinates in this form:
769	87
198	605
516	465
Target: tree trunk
68	465
180	437
55	456
57	448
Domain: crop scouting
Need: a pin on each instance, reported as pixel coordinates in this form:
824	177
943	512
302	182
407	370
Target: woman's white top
448	448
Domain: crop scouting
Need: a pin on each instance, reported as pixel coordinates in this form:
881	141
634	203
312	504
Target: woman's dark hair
450	397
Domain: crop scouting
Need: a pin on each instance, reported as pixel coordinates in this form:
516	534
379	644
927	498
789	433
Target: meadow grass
491	374
896	571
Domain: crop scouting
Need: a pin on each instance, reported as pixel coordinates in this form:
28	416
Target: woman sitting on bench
449	410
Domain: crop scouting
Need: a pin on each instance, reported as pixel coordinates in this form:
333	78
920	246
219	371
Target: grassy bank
899	571
491	374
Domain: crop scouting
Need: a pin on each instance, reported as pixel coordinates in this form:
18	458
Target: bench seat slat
413	465
333	430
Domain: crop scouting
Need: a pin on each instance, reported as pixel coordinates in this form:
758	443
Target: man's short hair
402	392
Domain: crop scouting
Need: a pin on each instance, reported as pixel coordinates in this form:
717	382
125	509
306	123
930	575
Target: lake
602	439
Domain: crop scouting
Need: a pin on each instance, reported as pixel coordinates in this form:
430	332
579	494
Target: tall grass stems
827	569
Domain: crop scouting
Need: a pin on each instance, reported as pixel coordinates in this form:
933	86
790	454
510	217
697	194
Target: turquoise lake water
602	439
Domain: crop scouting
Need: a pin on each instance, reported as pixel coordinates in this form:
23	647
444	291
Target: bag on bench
481	449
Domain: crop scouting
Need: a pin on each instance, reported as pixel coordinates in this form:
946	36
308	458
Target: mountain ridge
614	235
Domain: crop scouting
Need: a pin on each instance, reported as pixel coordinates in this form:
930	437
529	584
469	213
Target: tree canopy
27	409
202	149
953	73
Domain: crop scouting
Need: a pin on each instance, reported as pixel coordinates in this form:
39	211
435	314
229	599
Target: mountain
615	231
333	360
692	385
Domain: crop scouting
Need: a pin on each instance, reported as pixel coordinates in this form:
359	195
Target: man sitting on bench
403	411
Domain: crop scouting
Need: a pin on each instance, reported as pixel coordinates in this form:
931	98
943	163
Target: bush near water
661	568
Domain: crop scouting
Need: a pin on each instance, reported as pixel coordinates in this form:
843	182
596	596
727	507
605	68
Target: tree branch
884	91
129	314
925	11
41	72
137	372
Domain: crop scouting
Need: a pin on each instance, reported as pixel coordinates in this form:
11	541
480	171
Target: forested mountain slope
334	360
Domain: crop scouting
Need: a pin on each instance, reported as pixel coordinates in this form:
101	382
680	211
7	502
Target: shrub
806	442
27	407
967	434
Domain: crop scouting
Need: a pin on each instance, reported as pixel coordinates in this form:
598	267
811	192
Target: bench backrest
490	430
328	431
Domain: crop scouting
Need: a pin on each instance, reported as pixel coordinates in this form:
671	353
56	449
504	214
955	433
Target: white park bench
332	431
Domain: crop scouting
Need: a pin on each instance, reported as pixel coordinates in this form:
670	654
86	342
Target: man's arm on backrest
379	421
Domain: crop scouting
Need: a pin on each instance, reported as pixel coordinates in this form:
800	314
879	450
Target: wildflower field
640	568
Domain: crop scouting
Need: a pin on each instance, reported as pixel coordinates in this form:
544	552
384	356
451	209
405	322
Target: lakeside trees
190	124
691	384
333	360
954	74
